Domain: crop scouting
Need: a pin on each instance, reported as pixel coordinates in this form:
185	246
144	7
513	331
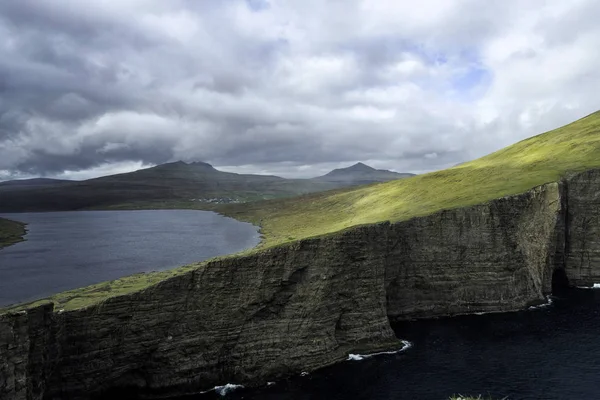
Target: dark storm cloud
281	85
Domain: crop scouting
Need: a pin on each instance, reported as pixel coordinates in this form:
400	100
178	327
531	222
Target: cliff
307	304
244	319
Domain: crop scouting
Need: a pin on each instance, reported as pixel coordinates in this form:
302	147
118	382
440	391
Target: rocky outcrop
301	306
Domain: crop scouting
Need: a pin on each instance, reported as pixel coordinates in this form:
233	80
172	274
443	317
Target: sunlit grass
515	169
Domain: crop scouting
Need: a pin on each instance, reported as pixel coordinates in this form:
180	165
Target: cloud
287	87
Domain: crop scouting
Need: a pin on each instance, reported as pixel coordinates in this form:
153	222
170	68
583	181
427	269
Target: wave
547	304
224	390
358	357
595	286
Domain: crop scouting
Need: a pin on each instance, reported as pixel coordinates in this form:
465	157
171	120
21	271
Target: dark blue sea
551	352
548	353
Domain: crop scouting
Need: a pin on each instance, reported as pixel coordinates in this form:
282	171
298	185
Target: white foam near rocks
548	303
224	390
595	286
230	387
358	357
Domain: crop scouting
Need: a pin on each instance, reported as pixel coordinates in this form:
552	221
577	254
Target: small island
11	232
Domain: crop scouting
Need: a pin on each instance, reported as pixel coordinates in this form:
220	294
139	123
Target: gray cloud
292	88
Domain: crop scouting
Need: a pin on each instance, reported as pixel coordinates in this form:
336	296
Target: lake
550	353
67	250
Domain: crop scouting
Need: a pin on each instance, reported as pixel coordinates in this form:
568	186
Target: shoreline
11	232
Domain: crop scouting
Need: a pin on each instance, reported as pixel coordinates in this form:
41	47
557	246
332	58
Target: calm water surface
67	250
549	353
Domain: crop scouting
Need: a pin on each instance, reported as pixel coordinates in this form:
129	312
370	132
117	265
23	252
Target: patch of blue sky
471	83
468	83
258	5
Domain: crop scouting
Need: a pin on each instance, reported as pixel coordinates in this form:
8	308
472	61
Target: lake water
67	250
548	353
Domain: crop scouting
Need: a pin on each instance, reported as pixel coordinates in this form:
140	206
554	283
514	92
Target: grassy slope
515	169
169	185
11	232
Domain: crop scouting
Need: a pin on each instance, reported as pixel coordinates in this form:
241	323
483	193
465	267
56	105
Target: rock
307	304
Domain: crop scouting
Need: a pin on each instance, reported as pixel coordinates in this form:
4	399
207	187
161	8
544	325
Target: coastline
11	232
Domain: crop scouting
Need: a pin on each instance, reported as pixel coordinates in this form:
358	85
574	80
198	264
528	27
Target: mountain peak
201	164
359	167
360	173
183	164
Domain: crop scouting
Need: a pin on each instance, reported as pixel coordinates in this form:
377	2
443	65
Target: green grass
89	295
78	298
515	169
11	232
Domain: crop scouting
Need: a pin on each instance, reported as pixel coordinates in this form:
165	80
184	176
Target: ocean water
548	353
67	250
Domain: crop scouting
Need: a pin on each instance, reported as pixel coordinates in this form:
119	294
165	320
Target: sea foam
358	357
595	286
224	390
547	304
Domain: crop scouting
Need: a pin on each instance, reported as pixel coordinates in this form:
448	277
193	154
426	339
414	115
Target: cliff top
512	170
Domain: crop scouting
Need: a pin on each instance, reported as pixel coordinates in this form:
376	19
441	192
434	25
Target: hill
177	184
360	174
34	182
514	169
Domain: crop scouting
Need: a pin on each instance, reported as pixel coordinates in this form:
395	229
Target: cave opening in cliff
560	282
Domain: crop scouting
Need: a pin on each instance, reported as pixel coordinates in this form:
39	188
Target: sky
290	87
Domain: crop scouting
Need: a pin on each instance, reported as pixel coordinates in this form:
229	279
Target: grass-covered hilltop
512	170
11	232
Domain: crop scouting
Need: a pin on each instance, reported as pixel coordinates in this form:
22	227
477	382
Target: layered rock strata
301	306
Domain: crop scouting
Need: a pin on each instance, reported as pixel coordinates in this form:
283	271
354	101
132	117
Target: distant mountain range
35	182
172	184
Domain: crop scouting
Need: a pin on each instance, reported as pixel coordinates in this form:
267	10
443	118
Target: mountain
172	185
37	182
359	174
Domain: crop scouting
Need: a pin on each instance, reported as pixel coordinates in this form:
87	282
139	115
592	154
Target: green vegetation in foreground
512	170
515	169
11	232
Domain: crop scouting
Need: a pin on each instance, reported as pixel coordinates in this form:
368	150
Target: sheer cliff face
582	262
245	319
493	257
305	305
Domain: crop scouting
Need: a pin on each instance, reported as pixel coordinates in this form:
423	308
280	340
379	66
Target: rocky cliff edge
298	307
